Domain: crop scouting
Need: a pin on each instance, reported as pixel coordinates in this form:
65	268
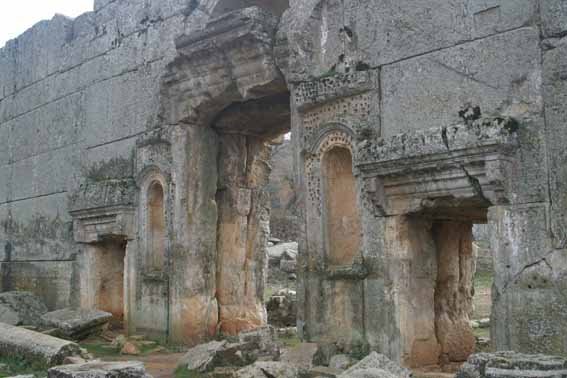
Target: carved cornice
411	171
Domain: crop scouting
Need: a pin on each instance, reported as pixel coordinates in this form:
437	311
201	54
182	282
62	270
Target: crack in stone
528	266
473	181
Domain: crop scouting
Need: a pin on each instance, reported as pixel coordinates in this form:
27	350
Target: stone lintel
412	172
96	225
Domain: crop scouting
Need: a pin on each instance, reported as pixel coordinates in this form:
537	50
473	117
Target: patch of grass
482	332
100	349
183	372
19	366
483	281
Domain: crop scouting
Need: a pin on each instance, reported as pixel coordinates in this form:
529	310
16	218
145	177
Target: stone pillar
528	297
412	272
243	230
454	290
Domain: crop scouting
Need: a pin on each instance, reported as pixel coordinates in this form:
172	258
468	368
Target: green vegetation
10	366
183	372
483	281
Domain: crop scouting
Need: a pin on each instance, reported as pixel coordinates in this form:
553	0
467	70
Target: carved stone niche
458	171
103	210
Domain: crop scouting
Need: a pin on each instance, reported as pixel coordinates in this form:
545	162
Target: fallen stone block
35	347
100	369
324	372
265	339
201	357
512	364
76	324
379	365
268	369
341	361
21	308
300	355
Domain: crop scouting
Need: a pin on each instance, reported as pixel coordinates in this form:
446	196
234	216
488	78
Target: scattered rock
379	365
34	346
282	308
268	369
276	252
21	308
200	358
23	376
288	266
77	324
341	361
512	364
100	369
484	323
130	349
9	316
324	353
274	240
118	341
474	324
325	372
73	360
264	339
370	373
300	355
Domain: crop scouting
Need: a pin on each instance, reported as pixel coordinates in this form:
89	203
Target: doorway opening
442	271
108	270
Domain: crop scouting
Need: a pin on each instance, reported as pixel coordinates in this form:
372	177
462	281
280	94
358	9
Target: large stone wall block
554	17
112	111
555	96
500	74
55	171
50	281
56	125
317	34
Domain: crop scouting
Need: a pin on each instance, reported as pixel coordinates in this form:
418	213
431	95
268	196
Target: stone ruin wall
93	111
81	119
390	82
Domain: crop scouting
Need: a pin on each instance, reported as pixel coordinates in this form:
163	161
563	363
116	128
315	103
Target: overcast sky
16	16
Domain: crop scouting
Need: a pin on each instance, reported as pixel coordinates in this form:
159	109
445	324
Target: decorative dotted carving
357	107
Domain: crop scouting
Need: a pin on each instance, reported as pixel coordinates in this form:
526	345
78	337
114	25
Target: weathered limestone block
528	306
454	290
206	59
271	369
201	358
554	18
100	369
34	346
513	364
26	307
317	38
300	355
242	233
76	324
555	97
52	280
378	366
429	91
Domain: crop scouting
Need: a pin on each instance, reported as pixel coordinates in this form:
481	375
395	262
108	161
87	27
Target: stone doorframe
104	212
418	186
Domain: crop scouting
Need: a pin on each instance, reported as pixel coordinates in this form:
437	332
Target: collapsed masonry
135	148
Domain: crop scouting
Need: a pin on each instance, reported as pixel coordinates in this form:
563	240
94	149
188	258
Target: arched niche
156	226
276	7
341	214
